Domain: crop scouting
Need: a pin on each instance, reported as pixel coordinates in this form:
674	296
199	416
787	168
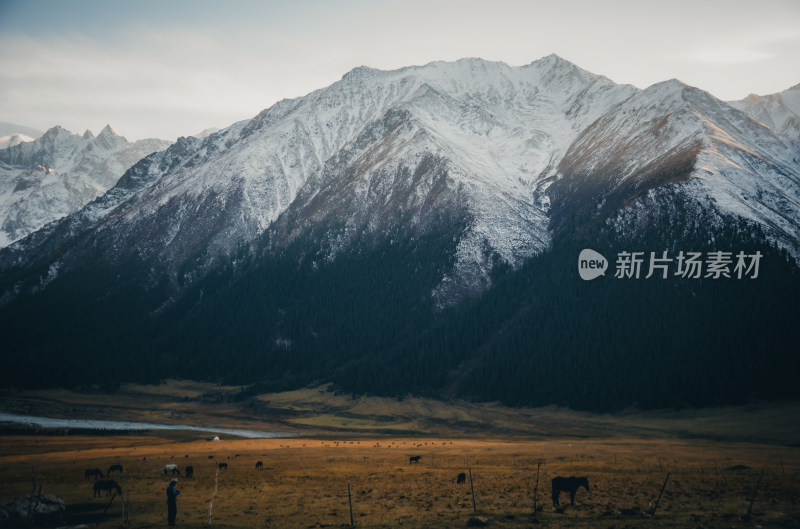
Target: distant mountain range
416	189
45	178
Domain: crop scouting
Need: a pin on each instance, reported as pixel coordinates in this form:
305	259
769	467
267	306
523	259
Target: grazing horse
571	485
222	465
189	471
107	485
414	459
114	468
171	468
92	473
259	465
462	478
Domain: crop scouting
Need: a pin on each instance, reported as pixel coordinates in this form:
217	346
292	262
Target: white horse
171	468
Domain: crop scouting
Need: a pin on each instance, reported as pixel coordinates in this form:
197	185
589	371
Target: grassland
713	457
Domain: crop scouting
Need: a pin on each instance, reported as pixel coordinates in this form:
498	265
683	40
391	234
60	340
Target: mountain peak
87	135
554	61
108	130
55	131
361	72
670	86
554	58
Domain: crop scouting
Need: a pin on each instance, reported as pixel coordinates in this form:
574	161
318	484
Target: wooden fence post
474	507
350	500
213	494
753	499
535	490
660	493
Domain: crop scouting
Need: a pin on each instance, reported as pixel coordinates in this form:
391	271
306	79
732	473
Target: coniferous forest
279	318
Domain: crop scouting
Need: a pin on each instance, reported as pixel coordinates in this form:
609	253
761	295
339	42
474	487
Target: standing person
172	508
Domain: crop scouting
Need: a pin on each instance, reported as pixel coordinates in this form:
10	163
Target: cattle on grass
462	478
259	465
414	459
114	468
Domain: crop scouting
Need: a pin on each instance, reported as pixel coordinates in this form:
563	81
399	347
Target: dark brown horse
106	485
93	473
571	485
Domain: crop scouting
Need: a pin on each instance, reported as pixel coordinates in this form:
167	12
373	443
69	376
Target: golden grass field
366	443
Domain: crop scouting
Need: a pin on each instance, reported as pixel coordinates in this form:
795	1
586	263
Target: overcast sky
173	68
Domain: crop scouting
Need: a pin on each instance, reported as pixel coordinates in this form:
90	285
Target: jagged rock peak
108	130
55	131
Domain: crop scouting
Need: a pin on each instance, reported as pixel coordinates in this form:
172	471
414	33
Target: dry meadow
304	481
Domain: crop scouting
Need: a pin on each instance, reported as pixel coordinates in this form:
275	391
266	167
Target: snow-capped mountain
476	133
780	112
674	137
320	241
59	173
509	150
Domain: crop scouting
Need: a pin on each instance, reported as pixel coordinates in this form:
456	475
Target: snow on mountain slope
475	135
497	130
58	174
673	134
780	112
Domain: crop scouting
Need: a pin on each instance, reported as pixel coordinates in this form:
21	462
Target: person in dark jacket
172	508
